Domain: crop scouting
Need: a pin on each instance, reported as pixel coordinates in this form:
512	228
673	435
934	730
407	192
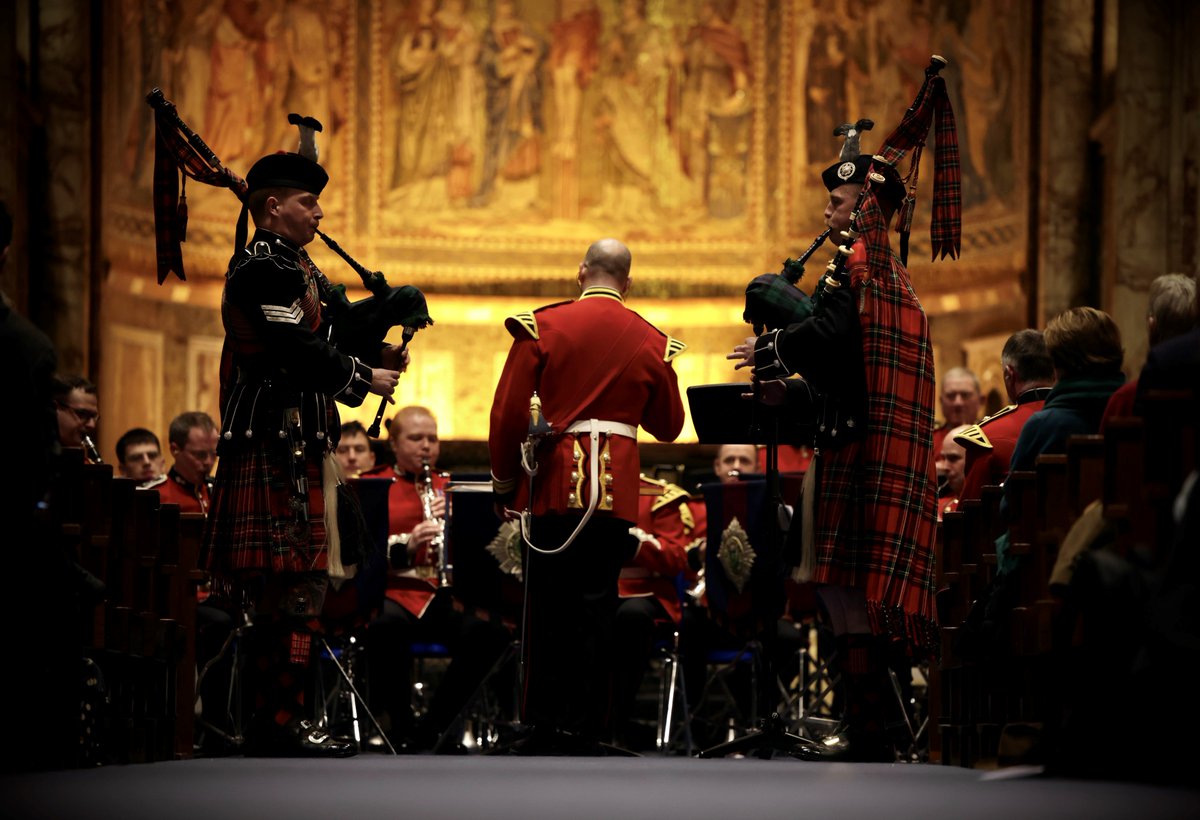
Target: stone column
1066	263
1145	168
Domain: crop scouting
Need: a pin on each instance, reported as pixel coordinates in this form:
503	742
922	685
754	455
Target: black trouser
474	645
637	624
572	601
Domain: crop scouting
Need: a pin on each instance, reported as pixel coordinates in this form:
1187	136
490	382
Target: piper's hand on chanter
744	353
396	358
384	381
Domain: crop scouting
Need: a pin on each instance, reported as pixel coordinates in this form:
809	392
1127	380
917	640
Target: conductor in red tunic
599	370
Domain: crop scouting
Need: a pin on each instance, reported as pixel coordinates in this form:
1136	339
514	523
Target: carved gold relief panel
475	148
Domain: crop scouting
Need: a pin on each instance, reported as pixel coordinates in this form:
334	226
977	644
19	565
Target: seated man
950	462
735	460
193	440
1085	345
78	413
139	456
649	592
960	400
1170	313
354	451
411	610
1028	375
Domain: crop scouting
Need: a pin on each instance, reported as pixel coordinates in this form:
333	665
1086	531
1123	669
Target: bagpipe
356	328
773	301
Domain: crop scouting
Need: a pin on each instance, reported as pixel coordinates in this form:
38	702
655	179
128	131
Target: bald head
606	264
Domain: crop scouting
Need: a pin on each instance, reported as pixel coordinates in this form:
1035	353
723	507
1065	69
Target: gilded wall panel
133	359
203	375
475	149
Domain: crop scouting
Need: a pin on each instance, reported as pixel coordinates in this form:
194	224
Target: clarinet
89	447
438	545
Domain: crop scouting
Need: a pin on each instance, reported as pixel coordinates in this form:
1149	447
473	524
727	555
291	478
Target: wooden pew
1085	472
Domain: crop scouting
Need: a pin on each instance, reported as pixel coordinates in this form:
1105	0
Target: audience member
960	399
1170	312
950	464
1028	375
41	682
1085	346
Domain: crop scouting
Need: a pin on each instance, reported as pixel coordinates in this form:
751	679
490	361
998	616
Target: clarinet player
413	610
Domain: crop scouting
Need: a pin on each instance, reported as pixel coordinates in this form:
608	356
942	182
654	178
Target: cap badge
845	170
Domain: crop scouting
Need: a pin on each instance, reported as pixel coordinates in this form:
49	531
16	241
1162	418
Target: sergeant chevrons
589	359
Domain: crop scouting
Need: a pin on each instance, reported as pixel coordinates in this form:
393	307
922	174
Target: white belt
612	428
595	428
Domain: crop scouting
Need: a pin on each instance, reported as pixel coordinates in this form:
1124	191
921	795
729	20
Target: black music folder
722	416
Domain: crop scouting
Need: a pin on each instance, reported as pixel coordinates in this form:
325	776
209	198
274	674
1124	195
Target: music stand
479	583
722	415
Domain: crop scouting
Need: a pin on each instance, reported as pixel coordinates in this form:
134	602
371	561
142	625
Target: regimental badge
846	170
505	547
735	555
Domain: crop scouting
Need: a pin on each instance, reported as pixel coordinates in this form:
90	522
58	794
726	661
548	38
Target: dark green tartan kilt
254	523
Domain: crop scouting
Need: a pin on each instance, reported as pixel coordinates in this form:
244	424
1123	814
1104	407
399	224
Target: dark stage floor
553	787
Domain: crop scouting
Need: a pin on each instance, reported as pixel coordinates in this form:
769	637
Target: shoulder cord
594	486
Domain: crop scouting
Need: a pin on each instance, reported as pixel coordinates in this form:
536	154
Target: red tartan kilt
251	525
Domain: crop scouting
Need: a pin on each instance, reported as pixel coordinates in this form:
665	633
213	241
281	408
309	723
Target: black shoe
300	738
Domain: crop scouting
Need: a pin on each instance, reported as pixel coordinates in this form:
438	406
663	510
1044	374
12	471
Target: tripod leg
350	682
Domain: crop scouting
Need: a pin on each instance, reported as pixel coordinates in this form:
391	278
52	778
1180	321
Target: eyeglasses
200	455
83	414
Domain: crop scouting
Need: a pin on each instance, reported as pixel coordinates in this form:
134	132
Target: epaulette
674	348
671	493
1003	411
526	321
975	436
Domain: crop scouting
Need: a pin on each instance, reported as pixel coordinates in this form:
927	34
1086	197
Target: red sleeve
510	412
665	524
664	415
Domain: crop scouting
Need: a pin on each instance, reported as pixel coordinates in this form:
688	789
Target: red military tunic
175	489
990	443
793	458
667	528
592	358
414	586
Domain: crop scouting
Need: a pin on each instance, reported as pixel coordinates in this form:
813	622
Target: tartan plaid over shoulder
876	520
